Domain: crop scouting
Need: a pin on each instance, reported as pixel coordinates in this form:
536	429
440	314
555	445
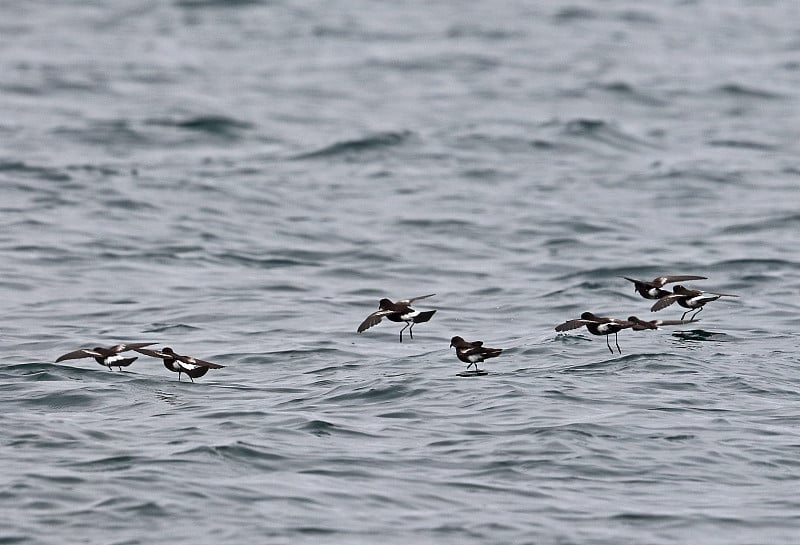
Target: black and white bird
597	325
473	353
106	356
688	299
177	363
399	311
652	289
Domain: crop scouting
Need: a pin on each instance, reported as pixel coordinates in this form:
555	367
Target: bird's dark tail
124	363
492	353
424	316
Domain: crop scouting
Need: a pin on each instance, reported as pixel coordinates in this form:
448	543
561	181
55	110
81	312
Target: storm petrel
652	289
597	325
688	299
640	325
176	363
473	352
398	312
106	356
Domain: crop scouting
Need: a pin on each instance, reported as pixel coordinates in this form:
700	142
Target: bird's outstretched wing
82	353
639	281
661	280
664	302
373	319
117	348
153	353
191	360
409	301
573	324
674	322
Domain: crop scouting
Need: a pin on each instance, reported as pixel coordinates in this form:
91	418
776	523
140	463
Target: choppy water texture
244	180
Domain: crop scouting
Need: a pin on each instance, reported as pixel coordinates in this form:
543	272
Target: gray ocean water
244	180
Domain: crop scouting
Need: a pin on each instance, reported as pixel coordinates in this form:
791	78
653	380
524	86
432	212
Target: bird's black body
177	363
597	325
399	311
473	352
688	299
106	356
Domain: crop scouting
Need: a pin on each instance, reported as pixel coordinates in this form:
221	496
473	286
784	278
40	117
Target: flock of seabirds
470	352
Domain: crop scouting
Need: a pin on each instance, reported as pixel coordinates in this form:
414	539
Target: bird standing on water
176	363
688	299
473	352
597	325
400	311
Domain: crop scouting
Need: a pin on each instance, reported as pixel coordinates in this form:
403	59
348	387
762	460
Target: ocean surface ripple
244	180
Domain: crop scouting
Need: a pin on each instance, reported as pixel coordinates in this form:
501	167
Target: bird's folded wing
373	319
82	353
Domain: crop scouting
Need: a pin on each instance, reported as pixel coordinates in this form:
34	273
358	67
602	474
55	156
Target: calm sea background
243	180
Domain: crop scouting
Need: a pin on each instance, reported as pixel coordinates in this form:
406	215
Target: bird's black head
384	303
